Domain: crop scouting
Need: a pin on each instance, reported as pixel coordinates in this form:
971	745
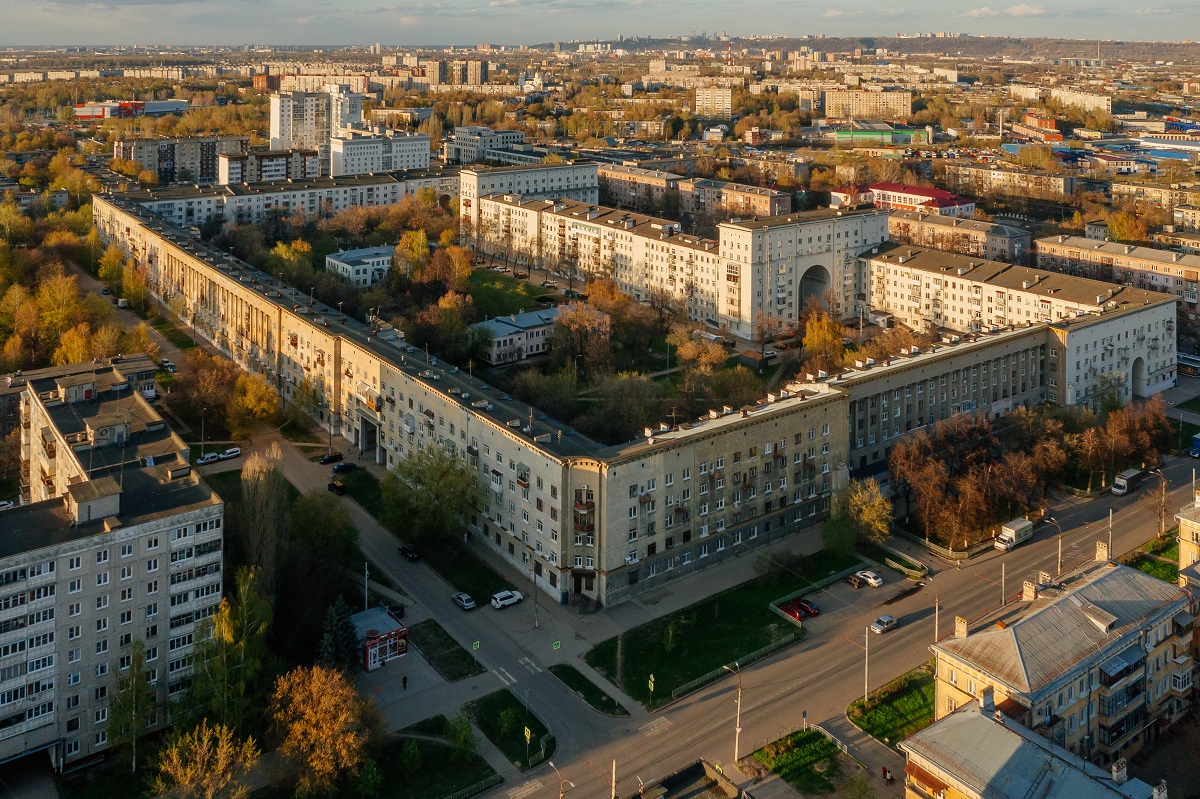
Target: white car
232	452
870	578
204	460
506	598
883	624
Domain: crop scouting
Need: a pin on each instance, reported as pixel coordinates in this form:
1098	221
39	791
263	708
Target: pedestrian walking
883	772
404	682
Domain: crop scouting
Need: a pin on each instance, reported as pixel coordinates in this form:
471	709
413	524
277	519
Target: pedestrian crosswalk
524	790
504	676
657	727
529	664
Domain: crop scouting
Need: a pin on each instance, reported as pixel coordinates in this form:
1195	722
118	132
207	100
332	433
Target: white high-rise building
307	120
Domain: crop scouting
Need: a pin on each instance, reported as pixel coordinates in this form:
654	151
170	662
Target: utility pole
866	663
533	579
366	584
1003	592
737	724
1110	552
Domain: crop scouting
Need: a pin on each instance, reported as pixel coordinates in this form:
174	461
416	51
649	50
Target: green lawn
807	760
302	434
879	554
1192	405
363	488
898	709
180	338
1183	440
574	679
464	570
443	652
101	782
497	294
701	638
503	719
1168	572
1167	547
434	725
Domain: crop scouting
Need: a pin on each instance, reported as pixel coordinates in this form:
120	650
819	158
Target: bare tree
262	514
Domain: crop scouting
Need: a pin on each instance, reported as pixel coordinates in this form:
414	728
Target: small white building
520	336
363	267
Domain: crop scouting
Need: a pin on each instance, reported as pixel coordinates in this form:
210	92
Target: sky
464	22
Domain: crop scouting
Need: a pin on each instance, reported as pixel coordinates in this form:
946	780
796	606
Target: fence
688	687
945	552
544	742
900	559
832	738
477	788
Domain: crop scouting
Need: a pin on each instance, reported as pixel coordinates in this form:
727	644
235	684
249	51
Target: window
102	578
152	565
75	586
73	563
102	556
126	550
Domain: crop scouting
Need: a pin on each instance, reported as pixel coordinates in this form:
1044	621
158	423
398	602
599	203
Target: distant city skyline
511	22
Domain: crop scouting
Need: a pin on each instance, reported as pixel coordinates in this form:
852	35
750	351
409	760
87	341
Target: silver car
883	624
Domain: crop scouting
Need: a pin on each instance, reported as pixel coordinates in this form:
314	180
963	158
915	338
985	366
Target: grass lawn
434	725
898	709
1184	439
363	488
302	434
1167	547
229	486
464	570
879	554
1168	572
443	652
496	294
503	719
102	782
574	679
179	338
1192	405
807	761
701	638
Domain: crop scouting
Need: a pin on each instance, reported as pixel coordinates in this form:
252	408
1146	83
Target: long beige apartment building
631	187
1144	267
990	240
978	179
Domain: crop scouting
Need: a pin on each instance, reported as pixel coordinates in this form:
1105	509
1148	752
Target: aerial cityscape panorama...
771	402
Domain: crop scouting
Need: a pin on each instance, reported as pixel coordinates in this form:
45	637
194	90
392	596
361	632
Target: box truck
1013	533
1127	480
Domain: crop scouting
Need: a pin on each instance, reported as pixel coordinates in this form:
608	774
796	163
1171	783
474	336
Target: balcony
1181	675
584	505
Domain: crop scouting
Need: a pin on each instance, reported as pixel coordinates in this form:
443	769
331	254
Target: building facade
863	104
1144	267
1088	101
258	166
990	240
119	542
471	143
358	152
186	160
568	181
632	187
518	336
902	197
364	267
307	120
713	102
978	180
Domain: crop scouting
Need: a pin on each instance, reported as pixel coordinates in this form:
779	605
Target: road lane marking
504	676
524	790
529	664
657	727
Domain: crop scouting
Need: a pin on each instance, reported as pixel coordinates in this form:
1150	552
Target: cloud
1025	10
1145	12
982	11
833	12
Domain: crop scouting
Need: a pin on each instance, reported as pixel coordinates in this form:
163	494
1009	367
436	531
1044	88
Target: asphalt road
129	319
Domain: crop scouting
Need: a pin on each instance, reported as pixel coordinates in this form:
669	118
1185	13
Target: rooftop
1089	617
803	217
1131	251
514	323
361	256
173	193
976	225
1001	759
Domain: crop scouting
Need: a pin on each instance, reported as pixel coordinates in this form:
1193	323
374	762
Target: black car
339	468
337	487
332	457
410	554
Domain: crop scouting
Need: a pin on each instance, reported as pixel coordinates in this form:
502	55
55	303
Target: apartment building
1164	195
1144	267
1088	101
568	181
978	180
977	752
187	160
318	197
472	143
849	104
259	166
307	120
363	267
518	336
1186	218
360	152
902	197
683	513
120	542
1097	332
1098	660
990	240
714	102
630	186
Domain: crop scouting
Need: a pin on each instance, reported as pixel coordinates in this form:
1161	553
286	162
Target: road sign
651	682
558	645
475	645
528	735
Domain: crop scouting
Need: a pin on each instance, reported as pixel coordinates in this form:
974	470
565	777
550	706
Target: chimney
987	699
1029	591
1102	550
1120	771
960	627
1043	578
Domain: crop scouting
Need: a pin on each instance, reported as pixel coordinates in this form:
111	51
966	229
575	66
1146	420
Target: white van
1013	533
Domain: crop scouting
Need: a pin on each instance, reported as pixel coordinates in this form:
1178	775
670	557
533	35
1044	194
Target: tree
335	539
133	285
132	706
699	355
431	493
206	763
231	654
322	724
822	340
582	331
870	512
339	643
412	253
262	516
253	403
461	735
410	758
74	346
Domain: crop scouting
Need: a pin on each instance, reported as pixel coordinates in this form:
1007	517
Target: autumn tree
322	725
205	763
134	285
822	340
698	354
132	710
232	652
254	403
431	493
412	252
583	331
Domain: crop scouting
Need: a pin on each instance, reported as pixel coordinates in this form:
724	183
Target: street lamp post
1054	521
937	607
561	782
203	413
737	724
1162	502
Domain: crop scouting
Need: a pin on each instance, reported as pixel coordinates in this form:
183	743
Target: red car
799	608
808	607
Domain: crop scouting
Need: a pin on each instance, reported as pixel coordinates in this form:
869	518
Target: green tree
132	706
412	253
870	511
335	540
260	520
230	656
461	735
339	643
432	493
410	759
205	763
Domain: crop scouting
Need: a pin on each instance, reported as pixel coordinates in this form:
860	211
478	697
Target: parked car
506	598
464	601
855	581
332	457
6	504
808	607
106	291
337	487
883	624
792	609
410	554
769	354
521	275
345	466
870	578
230	453
204	460
170	367
549	284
